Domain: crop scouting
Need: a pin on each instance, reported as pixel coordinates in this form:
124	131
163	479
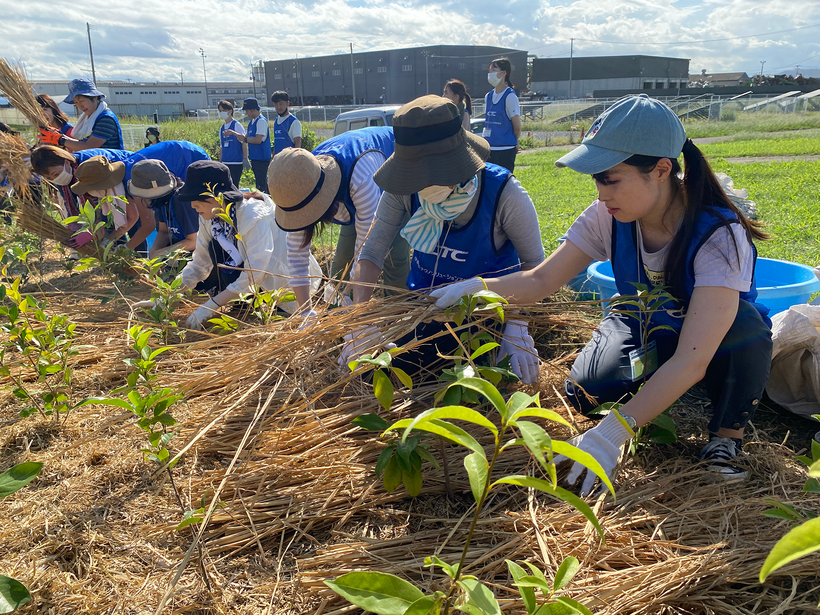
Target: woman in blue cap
657	229
97	127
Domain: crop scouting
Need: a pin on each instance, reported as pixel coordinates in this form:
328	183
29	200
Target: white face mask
64	178
223	115
100	194
493	78
435	194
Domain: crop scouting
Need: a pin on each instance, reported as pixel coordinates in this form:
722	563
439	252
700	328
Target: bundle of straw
17	89
14	155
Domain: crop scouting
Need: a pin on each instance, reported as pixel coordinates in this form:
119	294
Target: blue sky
156	39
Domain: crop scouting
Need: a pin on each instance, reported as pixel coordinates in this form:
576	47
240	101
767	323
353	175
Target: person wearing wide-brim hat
156	188
233	258
102	179
660	228
334	185
462	217
97	126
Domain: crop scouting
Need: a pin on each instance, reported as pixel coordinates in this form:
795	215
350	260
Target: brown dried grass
267	429
15	87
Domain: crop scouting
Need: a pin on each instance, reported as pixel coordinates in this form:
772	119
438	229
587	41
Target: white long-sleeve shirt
263	248
365	195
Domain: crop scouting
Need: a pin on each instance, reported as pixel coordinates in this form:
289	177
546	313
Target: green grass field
785	193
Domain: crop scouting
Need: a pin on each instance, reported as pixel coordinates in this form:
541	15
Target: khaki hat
98	173
151	179
303	186
432	149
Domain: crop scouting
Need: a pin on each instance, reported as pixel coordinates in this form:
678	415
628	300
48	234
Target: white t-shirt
511	105
295	129
715	263
261	126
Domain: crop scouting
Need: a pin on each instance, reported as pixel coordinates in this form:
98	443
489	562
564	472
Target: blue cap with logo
633	125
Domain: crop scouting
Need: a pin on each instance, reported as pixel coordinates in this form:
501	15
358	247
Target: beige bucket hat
303	186
97	173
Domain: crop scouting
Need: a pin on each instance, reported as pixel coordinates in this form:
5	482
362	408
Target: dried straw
15	87
14	156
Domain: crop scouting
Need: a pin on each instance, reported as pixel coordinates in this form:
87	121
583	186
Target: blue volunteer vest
628	266
114	155
258	151
281	138
231	147
177	156
347	148
110	143
498	128
467	251
167	214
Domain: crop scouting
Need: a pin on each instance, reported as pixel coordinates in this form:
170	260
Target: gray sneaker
720	453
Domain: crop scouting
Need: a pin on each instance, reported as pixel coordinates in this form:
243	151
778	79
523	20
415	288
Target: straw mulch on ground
266	433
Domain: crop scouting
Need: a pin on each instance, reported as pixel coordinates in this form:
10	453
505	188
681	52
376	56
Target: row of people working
472	226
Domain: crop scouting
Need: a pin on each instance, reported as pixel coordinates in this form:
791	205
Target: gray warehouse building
393	76
551	76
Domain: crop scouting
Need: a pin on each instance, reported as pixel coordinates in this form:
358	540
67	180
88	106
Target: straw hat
303	186
97	173
432	149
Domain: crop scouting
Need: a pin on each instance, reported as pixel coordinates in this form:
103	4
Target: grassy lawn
753	122
752	145
785	193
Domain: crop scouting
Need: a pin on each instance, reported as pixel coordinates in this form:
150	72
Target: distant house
717	80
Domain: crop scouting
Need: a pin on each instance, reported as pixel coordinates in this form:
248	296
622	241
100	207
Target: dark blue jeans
734	380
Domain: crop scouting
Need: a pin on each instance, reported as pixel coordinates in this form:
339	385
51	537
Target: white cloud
155	39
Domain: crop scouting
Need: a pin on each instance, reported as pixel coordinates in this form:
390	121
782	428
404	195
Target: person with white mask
502	124
460	216
233	151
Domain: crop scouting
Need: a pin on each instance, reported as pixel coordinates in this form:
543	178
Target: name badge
643	362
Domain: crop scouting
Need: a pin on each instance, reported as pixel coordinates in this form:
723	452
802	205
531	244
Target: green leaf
189	521
460	413
445	430
814	469
536	440
488	391
776	513
565	572
664	421
484	349
480	596
555	608
533	582
812	486
527	593
477	469
558	492
17	477
403	377
574	605
377	592
392	475
423	606
371	422
106	401
585	459
412	481
13	594
383	388
385	456
662	436
800	541
433	561
422	451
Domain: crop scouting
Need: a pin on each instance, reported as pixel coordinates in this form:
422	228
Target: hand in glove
604	442
49	136
197	320
309	319
362	341
246	165
520	347
451	294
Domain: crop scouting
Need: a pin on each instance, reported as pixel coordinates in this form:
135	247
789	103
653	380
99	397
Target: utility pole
204	74
181	80
762	62
571	44
91	53
427	71
352	73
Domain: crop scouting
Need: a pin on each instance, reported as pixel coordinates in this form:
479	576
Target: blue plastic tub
583	285
780	284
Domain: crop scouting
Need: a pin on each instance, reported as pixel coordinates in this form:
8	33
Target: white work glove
148	304
362	341
309	319
451	294
246	165
604	442
203	313
519	345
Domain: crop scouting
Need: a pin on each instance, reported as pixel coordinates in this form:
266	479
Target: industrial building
393	76
553	77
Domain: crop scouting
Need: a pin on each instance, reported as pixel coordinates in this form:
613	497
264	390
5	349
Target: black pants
236	173
260	173
734	379
504	158
220	278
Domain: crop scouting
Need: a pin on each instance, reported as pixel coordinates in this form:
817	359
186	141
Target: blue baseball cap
250	103
633	125
83	87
